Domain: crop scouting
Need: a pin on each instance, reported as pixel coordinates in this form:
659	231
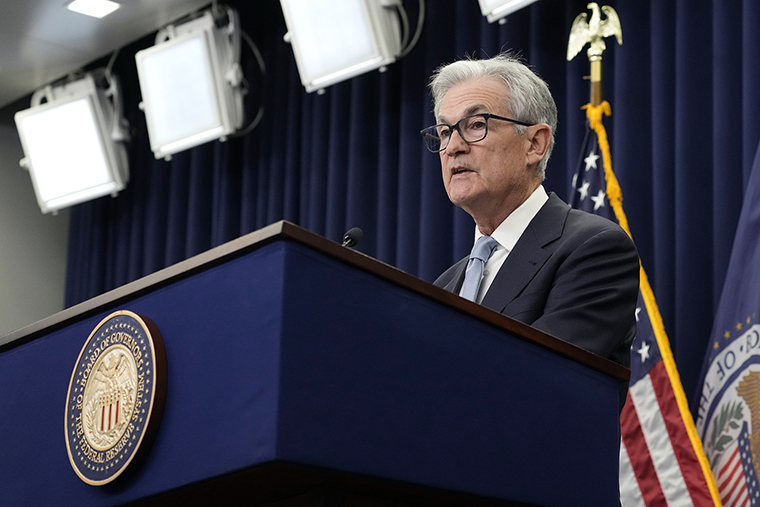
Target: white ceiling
41	40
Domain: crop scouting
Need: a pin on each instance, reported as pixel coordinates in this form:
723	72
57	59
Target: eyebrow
477	108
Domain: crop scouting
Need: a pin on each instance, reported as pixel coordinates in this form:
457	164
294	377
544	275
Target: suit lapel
455	283
529	254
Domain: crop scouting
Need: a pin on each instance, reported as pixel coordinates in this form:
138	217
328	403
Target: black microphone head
353	237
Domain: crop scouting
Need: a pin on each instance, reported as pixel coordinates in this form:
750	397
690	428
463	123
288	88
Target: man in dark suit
571	274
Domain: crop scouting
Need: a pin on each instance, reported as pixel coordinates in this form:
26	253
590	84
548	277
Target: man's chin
461	199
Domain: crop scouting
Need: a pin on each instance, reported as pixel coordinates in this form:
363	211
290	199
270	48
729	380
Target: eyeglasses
471	129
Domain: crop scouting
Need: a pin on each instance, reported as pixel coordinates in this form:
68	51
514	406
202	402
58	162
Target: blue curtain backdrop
685	96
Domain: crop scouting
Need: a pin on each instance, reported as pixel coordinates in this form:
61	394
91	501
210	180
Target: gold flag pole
594	31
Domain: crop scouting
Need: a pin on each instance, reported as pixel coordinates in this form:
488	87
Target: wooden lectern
304	373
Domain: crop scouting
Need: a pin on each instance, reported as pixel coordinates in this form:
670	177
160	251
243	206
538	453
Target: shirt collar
510	230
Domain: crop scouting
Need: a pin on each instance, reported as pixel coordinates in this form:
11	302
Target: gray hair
528	98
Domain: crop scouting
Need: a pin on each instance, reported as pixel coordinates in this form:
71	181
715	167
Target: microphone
353	237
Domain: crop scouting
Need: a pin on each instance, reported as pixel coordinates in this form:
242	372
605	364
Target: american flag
661	457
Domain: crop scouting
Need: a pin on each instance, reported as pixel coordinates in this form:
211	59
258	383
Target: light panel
334	40
191	86
94	8
68	146
175	75
497	10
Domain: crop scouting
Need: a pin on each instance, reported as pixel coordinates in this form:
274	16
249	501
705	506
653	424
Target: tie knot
484	247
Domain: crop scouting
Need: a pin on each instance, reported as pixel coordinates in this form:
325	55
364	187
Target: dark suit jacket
571	274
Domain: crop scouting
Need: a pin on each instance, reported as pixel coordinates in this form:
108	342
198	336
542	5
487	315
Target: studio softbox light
334	40
73	140
497	10
191	83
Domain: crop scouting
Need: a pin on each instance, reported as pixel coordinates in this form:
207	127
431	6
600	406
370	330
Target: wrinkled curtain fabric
685	94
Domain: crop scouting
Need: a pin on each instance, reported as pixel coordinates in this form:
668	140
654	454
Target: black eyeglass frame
425	133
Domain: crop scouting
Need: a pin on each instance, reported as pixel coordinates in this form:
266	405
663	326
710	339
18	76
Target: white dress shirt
507	234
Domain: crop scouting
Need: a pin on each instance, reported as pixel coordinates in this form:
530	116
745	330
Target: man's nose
457	143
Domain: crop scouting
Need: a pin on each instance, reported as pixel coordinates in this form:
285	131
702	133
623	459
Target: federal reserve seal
116	396
728	415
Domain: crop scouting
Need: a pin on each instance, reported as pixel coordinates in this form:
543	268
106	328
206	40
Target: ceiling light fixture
73	142
94	8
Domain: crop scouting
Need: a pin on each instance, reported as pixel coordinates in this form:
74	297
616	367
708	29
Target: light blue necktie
481	252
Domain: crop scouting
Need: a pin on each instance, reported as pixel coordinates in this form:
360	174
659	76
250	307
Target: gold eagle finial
593	31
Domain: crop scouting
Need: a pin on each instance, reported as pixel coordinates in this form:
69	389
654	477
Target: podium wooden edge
284	230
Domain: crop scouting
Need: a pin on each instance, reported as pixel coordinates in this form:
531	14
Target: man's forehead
474	109
471	97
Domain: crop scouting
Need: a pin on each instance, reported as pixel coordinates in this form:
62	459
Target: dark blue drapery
685	127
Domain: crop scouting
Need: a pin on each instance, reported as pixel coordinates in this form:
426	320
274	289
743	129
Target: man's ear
540	138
